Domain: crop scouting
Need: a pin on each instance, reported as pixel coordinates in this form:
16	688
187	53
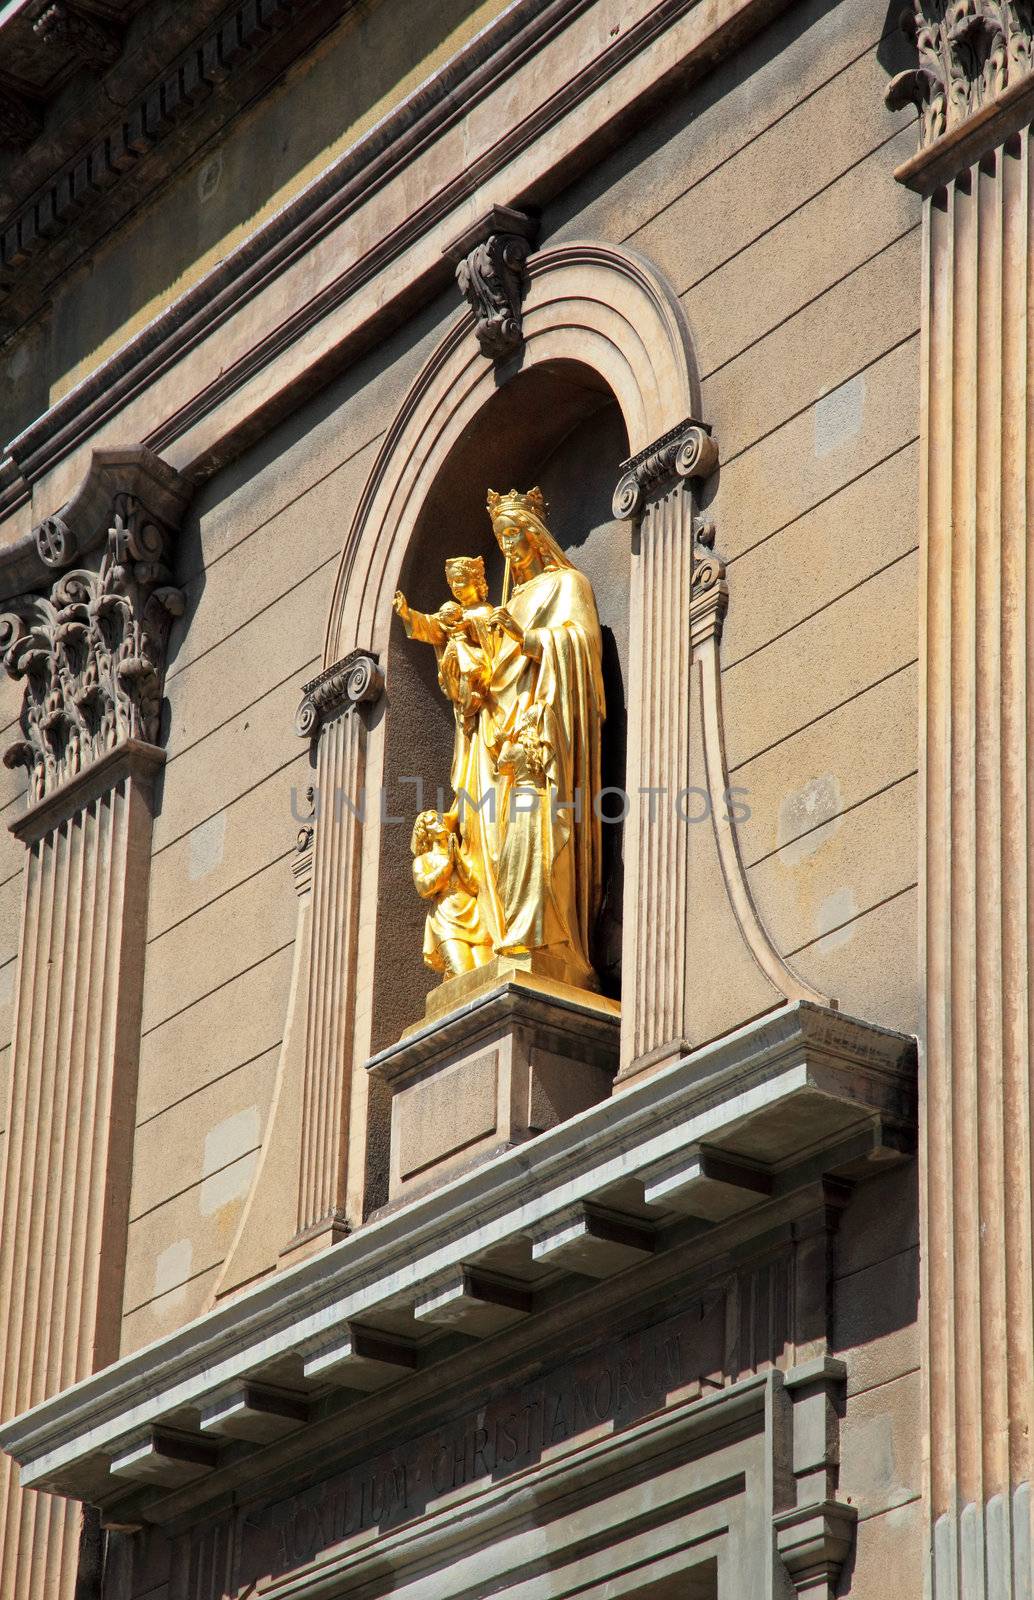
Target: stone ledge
801	1092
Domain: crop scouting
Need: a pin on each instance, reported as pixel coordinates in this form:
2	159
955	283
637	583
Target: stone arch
595	305
604	310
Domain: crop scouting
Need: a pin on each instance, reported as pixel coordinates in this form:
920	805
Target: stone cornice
86	175
336	300
80	525
823	1092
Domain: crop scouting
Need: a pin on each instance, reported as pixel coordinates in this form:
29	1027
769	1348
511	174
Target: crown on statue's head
513	503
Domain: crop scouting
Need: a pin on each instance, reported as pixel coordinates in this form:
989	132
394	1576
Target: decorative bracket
686	452
814	1536
492	274
348	683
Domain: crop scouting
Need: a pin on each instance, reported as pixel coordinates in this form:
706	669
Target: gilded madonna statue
515	863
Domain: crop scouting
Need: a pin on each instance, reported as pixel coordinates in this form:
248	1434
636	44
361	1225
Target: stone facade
722	1284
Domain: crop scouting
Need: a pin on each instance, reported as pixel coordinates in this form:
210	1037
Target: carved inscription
613	1386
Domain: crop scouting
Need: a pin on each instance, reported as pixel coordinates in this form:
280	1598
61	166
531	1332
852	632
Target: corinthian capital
969	53
90	649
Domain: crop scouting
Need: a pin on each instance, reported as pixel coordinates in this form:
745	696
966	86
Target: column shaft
978	615
654	973
65	1192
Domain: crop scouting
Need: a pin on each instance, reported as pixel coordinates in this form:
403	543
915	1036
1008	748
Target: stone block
218	942
880	1222
830	339
587	1239
832	232
229	845
771	175
163	1314
781	476
891	1544
361	1358
208	774
881	1445
513	1060
875	1317
254	1412
854	862
781	582
200	1135
827	659
825	768
852	964
743	97
237	1023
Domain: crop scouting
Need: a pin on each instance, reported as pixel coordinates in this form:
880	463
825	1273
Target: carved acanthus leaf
969	52
92	654
685	452
356	679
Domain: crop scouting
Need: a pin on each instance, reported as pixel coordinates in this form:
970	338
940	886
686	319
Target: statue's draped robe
539	863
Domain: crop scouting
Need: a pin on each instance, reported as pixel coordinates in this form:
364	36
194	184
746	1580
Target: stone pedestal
516	1054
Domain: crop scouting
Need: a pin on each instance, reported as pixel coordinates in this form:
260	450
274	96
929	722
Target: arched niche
607	368
599	308
557	425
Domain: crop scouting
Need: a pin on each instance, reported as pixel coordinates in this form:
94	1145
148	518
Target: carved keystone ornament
492	274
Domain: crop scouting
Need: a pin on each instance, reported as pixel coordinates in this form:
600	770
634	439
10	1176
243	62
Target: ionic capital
684	453
353	681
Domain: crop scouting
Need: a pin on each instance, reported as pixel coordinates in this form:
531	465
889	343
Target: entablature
363	245
736	1135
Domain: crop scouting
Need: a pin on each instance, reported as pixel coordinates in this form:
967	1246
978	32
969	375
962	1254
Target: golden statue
454	939
526	687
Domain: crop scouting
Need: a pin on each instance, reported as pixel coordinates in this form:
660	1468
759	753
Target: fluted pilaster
979	615
90	650
332	711
657	486
70	1138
